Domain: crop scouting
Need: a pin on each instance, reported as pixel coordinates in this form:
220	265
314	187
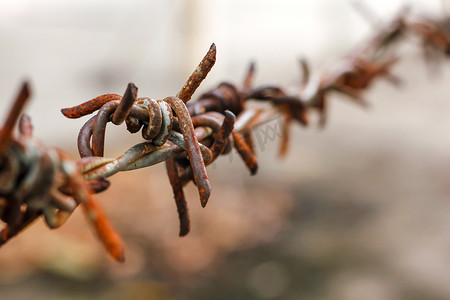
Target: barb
198	75
125	106
180	200
13	116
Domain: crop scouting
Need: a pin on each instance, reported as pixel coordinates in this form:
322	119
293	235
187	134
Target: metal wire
37	180
186	135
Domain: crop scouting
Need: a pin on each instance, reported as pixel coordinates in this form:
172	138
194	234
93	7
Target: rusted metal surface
13	116
245	152
90	106
217	108
222	138
104	229
155	117
192	148
188	136
39	181
180	200
198	75
125	105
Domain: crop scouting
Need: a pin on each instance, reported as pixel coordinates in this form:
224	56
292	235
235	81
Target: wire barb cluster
37	180
186	135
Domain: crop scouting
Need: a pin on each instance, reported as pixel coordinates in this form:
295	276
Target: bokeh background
359	210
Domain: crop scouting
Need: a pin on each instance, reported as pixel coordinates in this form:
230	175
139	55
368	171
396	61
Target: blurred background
359	210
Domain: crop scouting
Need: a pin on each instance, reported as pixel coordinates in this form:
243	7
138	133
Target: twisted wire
186	135
40	181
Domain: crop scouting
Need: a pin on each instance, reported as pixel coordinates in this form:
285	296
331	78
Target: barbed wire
186	135
37	180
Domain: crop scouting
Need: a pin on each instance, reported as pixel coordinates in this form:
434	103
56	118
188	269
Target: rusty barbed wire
351	76
37	180
188	136
160	121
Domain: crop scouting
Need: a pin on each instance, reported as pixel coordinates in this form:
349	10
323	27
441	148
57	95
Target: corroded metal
188	136
218	110
39	181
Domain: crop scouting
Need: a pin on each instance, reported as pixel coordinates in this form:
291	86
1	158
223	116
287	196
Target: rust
99	185
9	232
245	152
105	231
198	75
225	96
180	200
221	139
39	181
155	118
248	138
184	134
13	115
98	133
285	132
84	138
125	104
192	148
90	106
